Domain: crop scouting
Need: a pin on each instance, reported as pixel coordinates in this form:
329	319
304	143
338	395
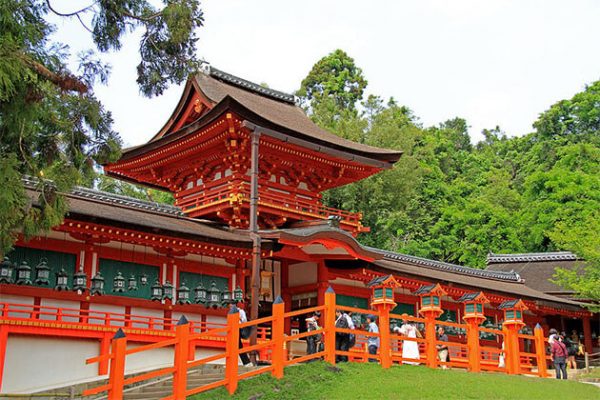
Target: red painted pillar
88	262
285	295
240	276
587	335
3	344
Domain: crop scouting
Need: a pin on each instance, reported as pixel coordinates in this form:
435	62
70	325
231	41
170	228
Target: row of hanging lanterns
211	297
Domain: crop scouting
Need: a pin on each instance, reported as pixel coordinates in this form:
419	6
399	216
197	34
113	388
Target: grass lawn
368	381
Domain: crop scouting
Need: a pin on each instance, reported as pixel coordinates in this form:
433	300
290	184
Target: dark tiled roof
286	115
378	280
469	297
443	266
424	289
526	257
251	86
508	304
121	210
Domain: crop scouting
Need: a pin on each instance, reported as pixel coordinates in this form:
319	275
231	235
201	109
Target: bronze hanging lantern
132	283
214	296
144	279
6	269
200	294
119	283
156	291
23	274
168	291
225	298
183	294
42	273
80	281
97	284
238	294
62	280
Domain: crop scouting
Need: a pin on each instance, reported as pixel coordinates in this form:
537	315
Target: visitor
410	348
244	333
553	333
341	338
572	347
442	349
372	341
351	325
312	342
559	354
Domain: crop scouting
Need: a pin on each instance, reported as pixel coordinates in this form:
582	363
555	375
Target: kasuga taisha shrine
247	169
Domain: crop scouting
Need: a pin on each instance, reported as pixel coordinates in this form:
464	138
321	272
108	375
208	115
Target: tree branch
65	82
75	13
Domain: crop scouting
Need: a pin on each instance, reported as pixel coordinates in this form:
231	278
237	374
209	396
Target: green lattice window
56	261
404	308
110	268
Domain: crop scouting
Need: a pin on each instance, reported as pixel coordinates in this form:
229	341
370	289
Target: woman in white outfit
410	348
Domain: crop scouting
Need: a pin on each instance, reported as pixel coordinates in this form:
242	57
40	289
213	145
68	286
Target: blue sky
490	62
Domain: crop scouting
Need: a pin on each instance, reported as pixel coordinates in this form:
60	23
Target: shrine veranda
117	262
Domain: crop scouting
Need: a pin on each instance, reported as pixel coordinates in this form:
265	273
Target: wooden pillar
540	351
3	344
104	349
182	334
587	335
430	337
473	345
329	326
240	276
88	261
277	353
232	350
385	351
116	378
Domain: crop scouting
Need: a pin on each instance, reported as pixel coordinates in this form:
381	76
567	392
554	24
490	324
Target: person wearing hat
312	324
372	341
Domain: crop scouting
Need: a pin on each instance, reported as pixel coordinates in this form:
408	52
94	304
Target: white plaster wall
190	317
303	274
17	300
73	305
34	363
110	309
145	312
215	319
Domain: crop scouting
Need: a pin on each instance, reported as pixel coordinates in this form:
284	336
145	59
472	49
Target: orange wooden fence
469	354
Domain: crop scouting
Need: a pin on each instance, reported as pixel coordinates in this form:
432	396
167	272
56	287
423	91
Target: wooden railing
469	355
90	318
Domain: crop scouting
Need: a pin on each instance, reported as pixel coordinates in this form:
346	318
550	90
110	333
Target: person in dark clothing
243	318
312	342
342	340
559	354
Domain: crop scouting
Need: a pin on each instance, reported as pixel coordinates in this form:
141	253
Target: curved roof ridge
248	85
526	257
444	266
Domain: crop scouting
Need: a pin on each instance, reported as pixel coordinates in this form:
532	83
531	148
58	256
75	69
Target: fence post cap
182	320
278	300
538	326
120	334
329	290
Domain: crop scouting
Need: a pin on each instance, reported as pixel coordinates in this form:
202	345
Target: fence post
232	349
182	334
587	362
511	349
473	346
277	338
329	325
384	336
430	338
116	376
540	351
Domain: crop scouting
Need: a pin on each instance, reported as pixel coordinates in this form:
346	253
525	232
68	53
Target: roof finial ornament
204	67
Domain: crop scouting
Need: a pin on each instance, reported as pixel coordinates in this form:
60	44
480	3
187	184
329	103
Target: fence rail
469	355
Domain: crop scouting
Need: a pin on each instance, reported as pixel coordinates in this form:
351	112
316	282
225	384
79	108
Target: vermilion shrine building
156	259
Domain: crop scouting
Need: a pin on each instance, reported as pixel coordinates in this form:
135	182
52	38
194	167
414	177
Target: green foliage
52	127
319	380
336	77
449	200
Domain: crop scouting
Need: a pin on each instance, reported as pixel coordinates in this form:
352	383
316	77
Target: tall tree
52	127
334	77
